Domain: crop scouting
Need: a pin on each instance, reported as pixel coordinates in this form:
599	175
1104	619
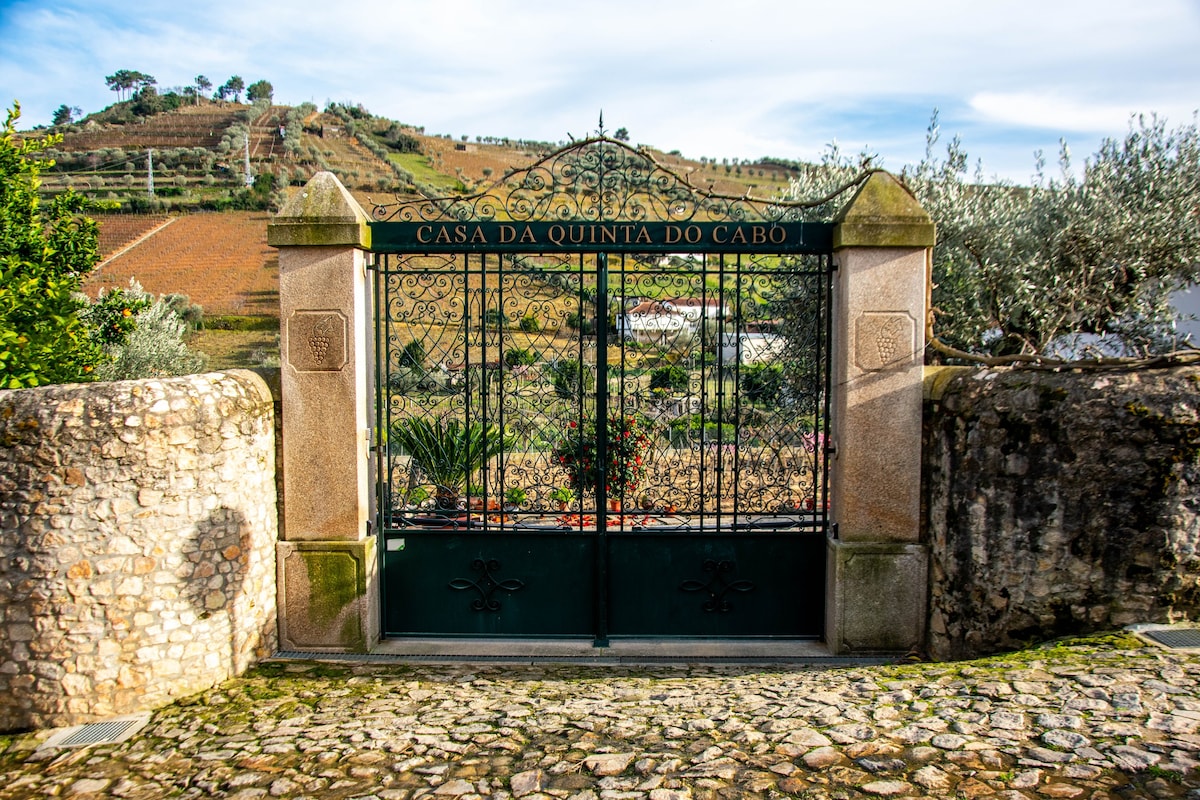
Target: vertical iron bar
383	491
485	406
466	328
499	379
707	410
824	349
601	639
580	405
383	459
737	408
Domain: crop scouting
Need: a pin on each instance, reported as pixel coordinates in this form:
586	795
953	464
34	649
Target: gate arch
594	299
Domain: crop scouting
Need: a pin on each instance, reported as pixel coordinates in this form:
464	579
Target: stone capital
883	213
323	213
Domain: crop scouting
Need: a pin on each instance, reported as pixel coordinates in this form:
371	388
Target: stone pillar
328	576
876	579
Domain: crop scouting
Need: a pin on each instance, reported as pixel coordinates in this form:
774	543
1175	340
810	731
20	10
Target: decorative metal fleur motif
486	584
596	179
717	586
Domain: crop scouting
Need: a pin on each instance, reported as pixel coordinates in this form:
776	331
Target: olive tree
1019	271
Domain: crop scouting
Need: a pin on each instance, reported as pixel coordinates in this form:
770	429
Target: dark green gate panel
711	585
621	333
488	584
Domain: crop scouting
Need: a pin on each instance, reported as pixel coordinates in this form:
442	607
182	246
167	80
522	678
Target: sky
741	79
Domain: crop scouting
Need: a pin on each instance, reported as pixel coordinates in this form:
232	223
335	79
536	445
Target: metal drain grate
110	731
1175	638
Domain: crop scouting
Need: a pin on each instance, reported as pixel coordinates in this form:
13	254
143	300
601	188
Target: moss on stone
322	214
883	213
334	584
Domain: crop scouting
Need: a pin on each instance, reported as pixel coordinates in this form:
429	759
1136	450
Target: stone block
877	597
328	596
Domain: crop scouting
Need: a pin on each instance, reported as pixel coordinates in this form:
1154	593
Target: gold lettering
718	232
673	234
477	237
782	236
739	235
527	236
692	234
643	236
460	234
423	233
442	236
608	234
508	234
758	235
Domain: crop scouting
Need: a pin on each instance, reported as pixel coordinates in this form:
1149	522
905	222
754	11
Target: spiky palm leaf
450	451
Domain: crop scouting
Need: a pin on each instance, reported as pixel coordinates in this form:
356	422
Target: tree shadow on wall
218	583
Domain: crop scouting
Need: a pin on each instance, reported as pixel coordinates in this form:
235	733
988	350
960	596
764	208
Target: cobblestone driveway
1100	718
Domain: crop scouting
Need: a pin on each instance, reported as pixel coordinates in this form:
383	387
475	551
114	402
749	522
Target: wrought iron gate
602	404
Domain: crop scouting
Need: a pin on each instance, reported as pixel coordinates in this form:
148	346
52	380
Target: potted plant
515	497
626	439
563	496
449	451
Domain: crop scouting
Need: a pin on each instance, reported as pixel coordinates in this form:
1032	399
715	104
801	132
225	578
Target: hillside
196	155
172	242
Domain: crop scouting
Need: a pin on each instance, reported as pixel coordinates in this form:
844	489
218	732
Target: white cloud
1054	112
757	77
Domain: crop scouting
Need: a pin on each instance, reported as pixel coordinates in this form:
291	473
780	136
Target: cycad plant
449	451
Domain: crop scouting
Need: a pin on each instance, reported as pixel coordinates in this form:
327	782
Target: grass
234	349
236	323
421	170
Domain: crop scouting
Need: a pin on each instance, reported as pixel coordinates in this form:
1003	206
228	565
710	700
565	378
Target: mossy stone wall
1059	503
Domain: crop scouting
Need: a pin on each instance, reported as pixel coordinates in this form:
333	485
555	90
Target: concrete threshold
620	652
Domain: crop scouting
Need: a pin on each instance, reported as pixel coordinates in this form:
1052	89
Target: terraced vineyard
193	126
220	260
118	231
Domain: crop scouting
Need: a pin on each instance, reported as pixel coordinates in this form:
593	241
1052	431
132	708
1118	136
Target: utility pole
150	172
246	165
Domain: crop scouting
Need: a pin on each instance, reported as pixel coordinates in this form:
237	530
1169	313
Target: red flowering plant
626	441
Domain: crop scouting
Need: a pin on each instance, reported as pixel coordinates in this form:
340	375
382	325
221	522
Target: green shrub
154	347
585	325
236	323
762	383
519	357
673	378
49	333
686	431
413	355
571	378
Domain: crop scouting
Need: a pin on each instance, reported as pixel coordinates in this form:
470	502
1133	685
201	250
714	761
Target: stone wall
137	539
1059	503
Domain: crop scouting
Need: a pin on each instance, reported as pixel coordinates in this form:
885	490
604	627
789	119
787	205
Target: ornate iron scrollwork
487	584
596	179
717	585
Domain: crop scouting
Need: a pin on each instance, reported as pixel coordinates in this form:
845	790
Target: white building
751	348
652	322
